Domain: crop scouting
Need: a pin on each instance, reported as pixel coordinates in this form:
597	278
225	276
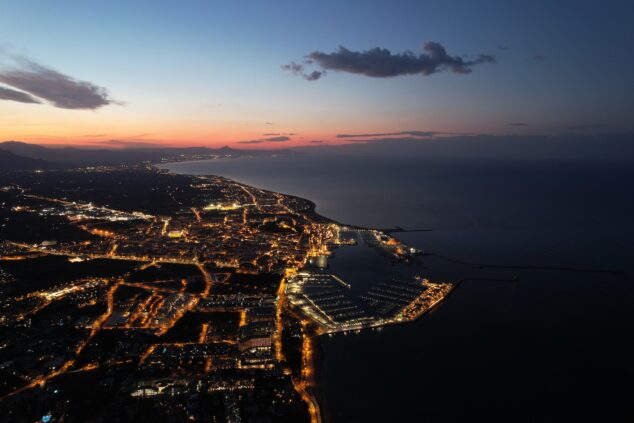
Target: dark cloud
382	63
61	90
290	134
518	124
22	97
539	58
317	142
266	140
586	127
298	69
419	134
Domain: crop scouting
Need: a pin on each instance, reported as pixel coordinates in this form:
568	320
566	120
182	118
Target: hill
75	156
10	161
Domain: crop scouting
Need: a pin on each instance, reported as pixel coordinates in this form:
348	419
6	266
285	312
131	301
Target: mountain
10	161
32	151
111	157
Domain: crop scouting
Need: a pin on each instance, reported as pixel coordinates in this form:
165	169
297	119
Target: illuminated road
41	381
97	325
306	381
250	231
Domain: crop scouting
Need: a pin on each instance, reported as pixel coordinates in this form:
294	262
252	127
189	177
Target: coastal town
193	297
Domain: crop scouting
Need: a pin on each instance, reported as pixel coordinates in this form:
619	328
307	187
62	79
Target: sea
542	327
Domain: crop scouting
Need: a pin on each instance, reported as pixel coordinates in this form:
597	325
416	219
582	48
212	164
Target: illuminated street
209	287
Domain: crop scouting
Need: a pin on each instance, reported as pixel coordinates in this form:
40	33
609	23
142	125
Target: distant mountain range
10	161
29	156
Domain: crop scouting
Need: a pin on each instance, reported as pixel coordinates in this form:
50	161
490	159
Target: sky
287	73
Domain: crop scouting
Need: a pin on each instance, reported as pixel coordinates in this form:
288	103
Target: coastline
312	394
309	386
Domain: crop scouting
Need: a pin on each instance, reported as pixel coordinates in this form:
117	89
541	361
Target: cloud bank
37	82
123	144
382	63
416	134
266	140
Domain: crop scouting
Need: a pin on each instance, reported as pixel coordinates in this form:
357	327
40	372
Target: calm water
553	346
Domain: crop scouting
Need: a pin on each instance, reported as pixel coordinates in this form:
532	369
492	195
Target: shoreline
309	387
313	206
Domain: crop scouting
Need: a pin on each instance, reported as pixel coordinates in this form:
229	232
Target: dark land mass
10	161
33	156
164	272
50	270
